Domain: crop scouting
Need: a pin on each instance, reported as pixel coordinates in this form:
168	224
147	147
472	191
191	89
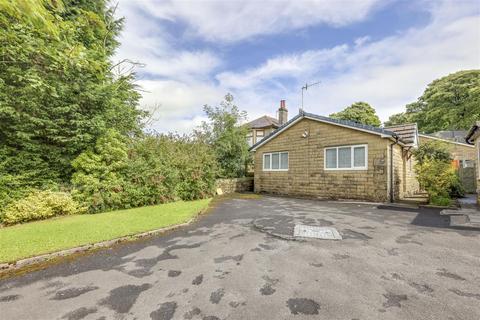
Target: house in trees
263	126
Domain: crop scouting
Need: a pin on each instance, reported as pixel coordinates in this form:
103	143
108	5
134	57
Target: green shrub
440	201
438	178
146	170
98	181
165	168
40	205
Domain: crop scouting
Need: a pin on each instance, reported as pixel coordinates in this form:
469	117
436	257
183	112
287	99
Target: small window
260	135
346	158
359	156
275	161
284	161
331	158
266	161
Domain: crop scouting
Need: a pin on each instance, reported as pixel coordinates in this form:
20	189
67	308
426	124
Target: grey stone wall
235	185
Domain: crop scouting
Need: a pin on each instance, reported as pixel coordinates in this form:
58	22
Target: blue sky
383	52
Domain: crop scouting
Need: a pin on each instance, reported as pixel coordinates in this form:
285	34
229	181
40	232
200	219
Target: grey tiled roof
406	132
354	125
453	135
263	122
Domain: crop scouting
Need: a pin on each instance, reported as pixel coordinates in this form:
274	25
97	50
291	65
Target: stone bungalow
320	157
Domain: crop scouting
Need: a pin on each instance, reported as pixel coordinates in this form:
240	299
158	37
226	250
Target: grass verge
40	237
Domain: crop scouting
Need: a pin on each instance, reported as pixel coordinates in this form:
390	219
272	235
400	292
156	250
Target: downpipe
391	170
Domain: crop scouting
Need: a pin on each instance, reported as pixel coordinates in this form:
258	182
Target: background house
263	126
463	156
325	158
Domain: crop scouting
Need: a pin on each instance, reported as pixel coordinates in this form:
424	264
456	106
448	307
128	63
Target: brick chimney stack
282	113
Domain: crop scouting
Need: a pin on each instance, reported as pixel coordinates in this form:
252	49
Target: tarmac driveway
237	262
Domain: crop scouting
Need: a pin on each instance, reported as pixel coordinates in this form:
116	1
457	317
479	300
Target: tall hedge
123	173
58	91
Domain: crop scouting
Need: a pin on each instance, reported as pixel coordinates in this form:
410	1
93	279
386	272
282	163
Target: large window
275	161
346	157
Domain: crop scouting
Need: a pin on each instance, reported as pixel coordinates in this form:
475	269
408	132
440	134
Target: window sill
275	170
345	169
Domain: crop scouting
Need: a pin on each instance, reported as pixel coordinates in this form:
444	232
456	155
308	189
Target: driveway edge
16	265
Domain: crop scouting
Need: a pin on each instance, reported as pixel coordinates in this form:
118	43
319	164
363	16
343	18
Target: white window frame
352	159
279	159
261	136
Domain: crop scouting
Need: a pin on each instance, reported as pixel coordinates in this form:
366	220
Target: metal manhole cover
326	233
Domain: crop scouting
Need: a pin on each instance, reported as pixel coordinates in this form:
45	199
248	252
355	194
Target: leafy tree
398	118
433	150
224	132
58	93
449	103
360	112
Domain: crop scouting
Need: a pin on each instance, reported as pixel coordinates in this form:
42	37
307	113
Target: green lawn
34	238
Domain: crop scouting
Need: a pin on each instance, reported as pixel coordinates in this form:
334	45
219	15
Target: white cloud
233	20
388	73
290	66
178	98
144	39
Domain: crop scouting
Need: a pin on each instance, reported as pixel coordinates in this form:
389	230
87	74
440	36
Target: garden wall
235	185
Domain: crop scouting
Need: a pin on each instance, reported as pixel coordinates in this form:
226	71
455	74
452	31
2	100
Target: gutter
392	195
471	133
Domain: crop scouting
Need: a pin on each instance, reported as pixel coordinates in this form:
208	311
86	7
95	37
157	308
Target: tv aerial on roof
305	88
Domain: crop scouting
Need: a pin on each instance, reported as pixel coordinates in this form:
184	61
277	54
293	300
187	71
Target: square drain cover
326	233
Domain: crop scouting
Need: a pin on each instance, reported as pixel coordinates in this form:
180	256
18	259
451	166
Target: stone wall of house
459	151
234	185
306	175
411	182
404	177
